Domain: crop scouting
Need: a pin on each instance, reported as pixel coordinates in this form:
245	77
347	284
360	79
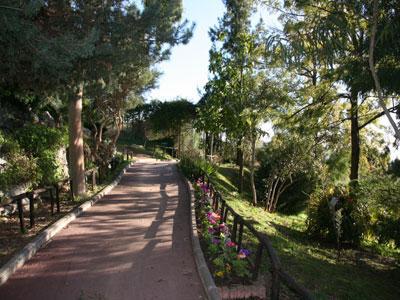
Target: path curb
18	260
207	280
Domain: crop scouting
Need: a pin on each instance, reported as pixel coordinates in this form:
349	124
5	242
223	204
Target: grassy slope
356	275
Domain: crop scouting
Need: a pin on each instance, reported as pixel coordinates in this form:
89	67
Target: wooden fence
53	191
237	227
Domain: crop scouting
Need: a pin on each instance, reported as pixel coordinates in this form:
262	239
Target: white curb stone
209	286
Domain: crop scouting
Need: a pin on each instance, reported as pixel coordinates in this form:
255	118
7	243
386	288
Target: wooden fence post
275	284
51	200
93	179
239	243
71	191
222	211
32	209
21	215
234	230
257	261
57	197
226	214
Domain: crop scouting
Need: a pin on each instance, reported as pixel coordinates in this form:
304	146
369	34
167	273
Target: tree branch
10	8
377	116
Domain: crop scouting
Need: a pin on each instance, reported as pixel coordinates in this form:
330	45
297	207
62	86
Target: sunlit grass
354	274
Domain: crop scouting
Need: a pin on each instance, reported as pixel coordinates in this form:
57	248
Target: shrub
380	197
50	171
343	221
194	167
294	198
42	142
35	139
19	168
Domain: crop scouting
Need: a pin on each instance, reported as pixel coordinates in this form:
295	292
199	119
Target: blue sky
187	69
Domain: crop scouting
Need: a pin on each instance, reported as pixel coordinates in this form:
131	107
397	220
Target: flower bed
228	264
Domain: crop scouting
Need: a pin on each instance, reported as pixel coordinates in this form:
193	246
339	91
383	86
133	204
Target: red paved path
133	244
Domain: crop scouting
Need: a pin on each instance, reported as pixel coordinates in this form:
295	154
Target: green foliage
394	168
8	146
380	197
286	172
342	222
36	139
42	143
49	169
18	168
194	167
161	154
171	115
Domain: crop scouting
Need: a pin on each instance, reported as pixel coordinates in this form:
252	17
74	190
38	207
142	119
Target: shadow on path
133	244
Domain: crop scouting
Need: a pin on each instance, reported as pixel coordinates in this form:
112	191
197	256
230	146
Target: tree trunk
355	138
272	199
98	140
373	70
206	145
253	158
118	126
211	147
240	163
76	154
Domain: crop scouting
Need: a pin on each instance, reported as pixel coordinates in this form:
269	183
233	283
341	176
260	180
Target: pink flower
230	244
216	216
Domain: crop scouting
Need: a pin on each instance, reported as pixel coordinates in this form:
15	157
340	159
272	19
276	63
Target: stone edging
207	280
18	260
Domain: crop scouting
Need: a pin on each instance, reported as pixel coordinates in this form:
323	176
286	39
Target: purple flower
243	253
216	241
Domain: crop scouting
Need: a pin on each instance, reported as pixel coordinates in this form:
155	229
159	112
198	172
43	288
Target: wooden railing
278	275
53	191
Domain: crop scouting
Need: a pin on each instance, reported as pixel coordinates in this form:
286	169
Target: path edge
211	290
19	259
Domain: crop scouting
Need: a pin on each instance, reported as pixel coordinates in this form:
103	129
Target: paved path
133	244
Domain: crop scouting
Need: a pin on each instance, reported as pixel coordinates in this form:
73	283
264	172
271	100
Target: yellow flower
219	274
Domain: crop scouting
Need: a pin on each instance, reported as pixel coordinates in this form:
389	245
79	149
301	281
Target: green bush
42	143
194	167
294	198
19	168
380	197
374	214
8	146
344	223
50	170
35	139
